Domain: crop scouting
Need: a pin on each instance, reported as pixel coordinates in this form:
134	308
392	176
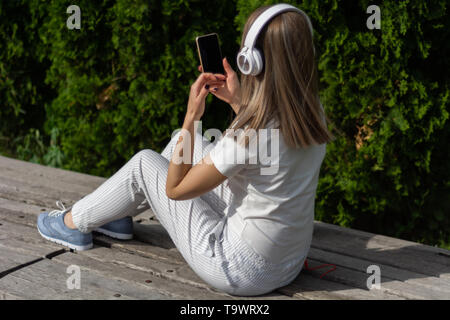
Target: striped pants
198	227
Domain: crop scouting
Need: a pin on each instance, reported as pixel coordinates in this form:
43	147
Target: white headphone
249	59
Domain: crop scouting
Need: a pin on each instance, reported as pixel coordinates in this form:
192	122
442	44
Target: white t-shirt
272	207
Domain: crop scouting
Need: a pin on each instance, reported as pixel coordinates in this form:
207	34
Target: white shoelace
62	210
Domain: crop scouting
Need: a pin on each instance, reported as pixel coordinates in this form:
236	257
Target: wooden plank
62	184
139	278
12	211
162	267
47	279
8	210
390	289
162	239
59	184
345	290
175	278
41	196
428	287
20	212
16	253
33	243
8	296
379	249
37	180
10	259
155	234
346	244
352	271
152	232
139	269
37	171
142	249
411	284
384	250
154	260
16	250
25	213
44	196
311	287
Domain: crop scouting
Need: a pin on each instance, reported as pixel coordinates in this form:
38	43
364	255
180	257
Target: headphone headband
265	17
249	58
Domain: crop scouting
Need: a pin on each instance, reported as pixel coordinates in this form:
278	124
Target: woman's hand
199	91
184	181
230	92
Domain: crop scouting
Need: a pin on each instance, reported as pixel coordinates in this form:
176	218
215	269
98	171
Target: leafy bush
122	80
23	65
88	99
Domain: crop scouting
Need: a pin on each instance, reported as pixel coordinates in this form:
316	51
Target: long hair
287	87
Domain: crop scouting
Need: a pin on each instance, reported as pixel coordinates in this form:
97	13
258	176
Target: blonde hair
287	87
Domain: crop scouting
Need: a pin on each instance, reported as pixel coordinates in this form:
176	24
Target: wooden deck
150	267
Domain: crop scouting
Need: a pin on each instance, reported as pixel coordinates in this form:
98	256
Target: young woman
241	230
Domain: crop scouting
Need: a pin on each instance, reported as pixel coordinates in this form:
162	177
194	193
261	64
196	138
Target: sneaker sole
115	235
67	244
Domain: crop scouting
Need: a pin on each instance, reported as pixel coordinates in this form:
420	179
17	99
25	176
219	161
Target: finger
201	81
227	66
215	83
220	76
203	93
200	68
206	80
211	85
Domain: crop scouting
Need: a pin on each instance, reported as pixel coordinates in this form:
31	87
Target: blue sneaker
119	229
51	226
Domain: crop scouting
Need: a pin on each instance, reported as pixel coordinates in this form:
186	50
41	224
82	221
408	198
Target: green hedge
119	84
88	99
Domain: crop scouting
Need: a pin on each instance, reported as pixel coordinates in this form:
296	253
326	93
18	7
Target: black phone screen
211	56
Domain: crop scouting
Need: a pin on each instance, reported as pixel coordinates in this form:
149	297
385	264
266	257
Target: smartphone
209	53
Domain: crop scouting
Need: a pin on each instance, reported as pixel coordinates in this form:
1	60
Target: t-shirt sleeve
228	156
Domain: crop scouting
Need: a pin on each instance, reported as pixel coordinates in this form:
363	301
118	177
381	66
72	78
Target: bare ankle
68	221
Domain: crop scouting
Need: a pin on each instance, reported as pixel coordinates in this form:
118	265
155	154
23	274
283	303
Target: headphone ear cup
258	62
245	61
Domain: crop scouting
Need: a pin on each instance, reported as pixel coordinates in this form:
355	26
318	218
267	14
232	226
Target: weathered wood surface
150	267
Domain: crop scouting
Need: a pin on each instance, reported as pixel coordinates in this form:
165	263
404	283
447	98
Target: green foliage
88	99
23	93
118	85
33	148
